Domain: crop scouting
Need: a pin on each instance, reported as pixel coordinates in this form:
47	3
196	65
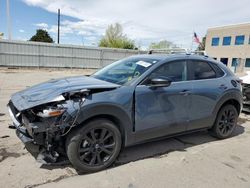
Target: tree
164	44
41	36
202	45
114	38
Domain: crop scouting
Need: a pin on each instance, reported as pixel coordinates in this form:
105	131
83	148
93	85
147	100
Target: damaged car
246	92
89	119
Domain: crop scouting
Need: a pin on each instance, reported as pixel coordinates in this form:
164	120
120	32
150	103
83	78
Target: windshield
125	70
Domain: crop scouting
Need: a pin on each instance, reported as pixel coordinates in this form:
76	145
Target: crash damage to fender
44	114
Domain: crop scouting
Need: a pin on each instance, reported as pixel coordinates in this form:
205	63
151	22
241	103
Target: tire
225	122
95	146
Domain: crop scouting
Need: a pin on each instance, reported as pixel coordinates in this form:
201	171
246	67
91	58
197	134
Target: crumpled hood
46	92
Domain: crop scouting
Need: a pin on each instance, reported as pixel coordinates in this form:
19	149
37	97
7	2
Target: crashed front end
44	114
43	128
246	97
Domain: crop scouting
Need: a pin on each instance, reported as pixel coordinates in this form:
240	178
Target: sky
83	22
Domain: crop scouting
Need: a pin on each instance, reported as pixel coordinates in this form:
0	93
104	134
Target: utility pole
58	27
8	18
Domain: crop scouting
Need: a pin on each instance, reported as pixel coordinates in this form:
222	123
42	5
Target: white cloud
21	30
42	25
148	20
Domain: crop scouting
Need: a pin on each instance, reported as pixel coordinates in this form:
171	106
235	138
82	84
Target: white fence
36	54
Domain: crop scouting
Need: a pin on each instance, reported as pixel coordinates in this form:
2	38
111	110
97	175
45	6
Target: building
230	45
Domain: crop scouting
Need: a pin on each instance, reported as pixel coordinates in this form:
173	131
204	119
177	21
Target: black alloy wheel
95	146
226	122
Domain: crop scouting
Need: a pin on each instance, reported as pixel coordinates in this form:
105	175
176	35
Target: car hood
48	91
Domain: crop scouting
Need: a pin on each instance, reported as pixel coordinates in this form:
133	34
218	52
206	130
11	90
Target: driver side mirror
160	82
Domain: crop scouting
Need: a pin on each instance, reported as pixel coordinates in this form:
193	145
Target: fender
232	94
110	109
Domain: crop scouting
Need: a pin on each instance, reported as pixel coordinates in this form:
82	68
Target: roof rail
176	51
168	51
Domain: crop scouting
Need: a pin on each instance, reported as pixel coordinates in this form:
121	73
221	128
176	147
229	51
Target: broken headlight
51	112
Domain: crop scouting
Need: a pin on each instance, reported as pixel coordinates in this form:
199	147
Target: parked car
246	92
144	97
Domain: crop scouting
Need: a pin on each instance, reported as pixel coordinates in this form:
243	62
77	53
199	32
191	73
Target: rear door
164	110
208	85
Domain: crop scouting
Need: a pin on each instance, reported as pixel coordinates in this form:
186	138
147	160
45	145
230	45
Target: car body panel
162	108
46	92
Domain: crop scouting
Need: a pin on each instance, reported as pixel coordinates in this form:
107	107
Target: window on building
215	41
224	61
239	40
247	64
234	62
226	41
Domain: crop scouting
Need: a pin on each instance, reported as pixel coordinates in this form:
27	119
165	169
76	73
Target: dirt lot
195	160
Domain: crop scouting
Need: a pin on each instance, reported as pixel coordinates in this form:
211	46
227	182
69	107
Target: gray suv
89	119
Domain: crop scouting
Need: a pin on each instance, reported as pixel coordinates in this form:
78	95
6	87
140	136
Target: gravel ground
195	160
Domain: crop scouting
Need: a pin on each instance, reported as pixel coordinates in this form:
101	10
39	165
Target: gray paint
142	112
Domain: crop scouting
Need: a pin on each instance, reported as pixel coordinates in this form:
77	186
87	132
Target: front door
163	110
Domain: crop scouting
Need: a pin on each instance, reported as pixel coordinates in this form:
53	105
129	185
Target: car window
125	71
201	70
219	72
176	71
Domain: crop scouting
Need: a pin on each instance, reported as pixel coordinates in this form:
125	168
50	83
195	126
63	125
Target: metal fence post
101	58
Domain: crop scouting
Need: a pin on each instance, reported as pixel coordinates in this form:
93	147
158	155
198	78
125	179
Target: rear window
219	72
201	70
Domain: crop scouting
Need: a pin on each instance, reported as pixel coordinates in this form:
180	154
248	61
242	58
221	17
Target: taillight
239	81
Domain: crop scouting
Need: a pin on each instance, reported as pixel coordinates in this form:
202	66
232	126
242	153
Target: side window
219	72
201	70
176	71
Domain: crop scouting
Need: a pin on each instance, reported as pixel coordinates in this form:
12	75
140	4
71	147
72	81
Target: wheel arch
234	98
113	113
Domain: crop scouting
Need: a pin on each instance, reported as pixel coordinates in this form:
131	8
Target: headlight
51	112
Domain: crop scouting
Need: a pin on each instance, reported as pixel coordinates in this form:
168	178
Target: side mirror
160	82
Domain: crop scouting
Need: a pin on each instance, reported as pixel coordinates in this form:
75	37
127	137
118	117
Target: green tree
41	36
202	45
114	38
164	44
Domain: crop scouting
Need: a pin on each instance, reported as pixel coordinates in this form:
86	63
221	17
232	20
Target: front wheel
95	146
225	122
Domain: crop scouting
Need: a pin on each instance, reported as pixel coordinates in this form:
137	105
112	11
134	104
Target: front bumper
29	144
35	136
23	135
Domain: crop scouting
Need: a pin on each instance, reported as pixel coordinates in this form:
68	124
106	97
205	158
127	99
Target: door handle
185	92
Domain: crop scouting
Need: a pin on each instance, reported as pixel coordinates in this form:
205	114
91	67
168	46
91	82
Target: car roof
170	57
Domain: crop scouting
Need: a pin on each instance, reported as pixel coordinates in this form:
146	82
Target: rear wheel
95	146
225	122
